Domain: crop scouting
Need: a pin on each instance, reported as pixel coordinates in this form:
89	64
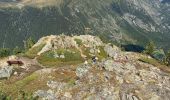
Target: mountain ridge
134	22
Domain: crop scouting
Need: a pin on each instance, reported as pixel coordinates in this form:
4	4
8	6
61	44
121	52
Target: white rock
62	56
15	73
68	95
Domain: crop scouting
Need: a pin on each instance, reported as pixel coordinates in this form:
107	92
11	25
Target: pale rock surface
6	71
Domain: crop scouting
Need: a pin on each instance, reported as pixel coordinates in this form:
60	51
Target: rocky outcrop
112	51
119	76
55	42
112	80
5	72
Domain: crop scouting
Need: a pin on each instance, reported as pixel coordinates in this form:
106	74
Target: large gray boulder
6	71
45	95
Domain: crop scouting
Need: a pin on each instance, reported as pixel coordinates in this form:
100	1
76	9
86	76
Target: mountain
165	1
122	21
83	67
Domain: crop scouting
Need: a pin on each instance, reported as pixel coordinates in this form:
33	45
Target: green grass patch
150	61
13	88
26	80
71	56
102	53
155	63
78	41
71	82
32	53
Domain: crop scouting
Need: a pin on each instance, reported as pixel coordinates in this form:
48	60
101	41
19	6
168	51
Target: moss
26	80
32	53
71	56
12	89
71	82
21	96
102	53
149	61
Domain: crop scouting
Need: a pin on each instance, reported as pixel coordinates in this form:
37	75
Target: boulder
68	95
6	71
45	95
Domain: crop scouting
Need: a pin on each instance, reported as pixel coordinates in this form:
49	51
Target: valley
121	21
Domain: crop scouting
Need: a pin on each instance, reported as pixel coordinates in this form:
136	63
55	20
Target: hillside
122	21
61	67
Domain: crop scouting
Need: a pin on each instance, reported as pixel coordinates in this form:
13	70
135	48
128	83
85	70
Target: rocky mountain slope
123	21
62	68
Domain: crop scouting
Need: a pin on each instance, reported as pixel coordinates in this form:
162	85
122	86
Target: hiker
94	59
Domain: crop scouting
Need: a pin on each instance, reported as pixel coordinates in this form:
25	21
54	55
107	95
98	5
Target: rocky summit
84	68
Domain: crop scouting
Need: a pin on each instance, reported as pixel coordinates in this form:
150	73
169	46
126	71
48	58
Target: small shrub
4	96
168	58
17	50
150	47
29	43
71	82
4	52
